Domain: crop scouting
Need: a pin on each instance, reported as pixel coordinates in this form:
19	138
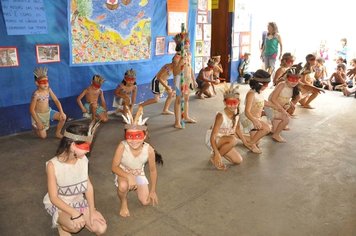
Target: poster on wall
177	14
160	45
171	47
198	48
8	57
202	5
47	53
24	17
175	21
202	18
109	32
207	32
206	48
199	32
198	65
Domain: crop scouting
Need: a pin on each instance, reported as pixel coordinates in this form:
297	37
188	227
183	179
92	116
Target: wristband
74	218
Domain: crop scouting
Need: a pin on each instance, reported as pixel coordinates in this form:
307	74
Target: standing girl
129	162
221	139
70	197
269	51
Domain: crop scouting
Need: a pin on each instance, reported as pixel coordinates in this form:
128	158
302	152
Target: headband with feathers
136	123
40	72
231	91
88	138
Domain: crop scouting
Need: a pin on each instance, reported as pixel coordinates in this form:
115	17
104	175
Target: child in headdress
70	197
286	62
250	119
125	93
41	112
222	137
282	98
184	79
206	80
308	92
129	162
159	85
92	94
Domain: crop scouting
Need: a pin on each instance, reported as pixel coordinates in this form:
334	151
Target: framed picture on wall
199	32
47	53
198	48
202	18
9	57
203	5
198	64
171	47
207	32
160	45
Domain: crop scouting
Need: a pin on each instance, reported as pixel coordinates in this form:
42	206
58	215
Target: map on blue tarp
109	31
23	17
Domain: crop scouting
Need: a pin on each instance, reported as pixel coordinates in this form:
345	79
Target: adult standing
270	47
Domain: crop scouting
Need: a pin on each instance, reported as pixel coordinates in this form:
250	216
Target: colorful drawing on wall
203	5
206	48
171	47
109	31
198	64
202	18
198	48
47	53
207	32
199	32
160	45
8	57
175	21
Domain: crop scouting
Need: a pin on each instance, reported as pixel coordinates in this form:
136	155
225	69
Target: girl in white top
70	197
129	161
251	118
221	139
282	98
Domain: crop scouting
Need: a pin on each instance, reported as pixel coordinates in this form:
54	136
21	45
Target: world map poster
109	31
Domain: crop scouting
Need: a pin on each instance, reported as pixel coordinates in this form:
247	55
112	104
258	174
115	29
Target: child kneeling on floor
129	162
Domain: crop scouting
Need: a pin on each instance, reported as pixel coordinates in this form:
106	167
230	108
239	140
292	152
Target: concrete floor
304	187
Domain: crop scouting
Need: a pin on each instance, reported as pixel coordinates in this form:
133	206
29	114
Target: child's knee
123	187
144	201
99	228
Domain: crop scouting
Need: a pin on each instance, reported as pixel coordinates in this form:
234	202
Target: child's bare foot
178	126
286	128
168	112
255	149
308	106
200	96
278	138
59	135
218	166
124	210
190	120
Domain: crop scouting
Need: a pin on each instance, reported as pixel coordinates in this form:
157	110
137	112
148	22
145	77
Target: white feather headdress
136	123
232	91
40	72
88	138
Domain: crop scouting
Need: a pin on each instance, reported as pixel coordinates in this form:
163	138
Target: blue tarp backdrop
67	82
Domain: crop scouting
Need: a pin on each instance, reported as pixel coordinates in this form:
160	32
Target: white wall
303	25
